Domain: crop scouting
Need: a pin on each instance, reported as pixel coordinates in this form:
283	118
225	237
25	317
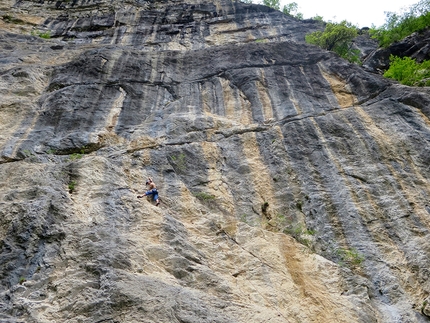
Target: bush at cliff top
408	72
337	37
291	9
275	4
398	26
288	9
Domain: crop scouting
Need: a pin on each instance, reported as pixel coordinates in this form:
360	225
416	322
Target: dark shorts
154	194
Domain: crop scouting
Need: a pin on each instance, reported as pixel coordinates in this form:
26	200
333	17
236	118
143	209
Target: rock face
365	44
416	46
294	185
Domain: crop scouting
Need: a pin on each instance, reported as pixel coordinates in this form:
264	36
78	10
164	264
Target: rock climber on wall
152	190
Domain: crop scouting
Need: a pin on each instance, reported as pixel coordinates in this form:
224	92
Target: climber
152	191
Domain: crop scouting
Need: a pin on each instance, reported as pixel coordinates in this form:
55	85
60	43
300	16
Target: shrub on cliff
398	26
337	37
408	72
275	4
290	9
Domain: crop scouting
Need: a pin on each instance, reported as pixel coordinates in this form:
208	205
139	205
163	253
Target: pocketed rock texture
294	185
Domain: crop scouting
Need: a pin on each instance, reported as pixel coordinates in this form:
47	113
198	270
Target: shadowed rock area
294	186
416	46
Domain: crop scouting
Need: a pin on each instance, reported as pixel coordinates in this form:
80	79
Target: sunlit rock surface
294	185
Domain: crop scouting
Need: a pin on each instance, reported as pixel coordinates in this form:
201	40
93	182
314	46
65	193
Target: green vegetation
275	4
290	9
204	196
12	20
244	218
45	35
300	233
337	37
424	306
318	18
398	26
297	230
75	156
72	186
83	150
350	257
408	72
27	153
179	161
41	34
22	280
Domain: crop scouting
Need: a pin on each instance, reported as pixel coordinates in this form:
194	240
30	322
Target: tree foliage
291	9
275	4
337	37
318	18
398	26
408	72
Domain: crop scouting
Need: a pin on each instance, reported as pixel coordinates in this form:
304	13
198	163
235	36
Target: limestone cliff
294	185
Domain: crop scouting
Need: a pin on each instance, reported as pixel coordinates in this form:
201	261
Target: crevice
229	237
168	86
86	149
9	160
360	178
231	132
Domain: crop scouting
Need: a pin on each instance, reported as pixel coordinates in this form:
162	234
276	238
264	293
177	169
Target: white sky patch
362	13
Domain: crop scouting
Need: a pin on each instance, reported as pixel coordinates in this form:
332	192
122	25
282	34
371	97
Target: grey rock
294	185
415	46
365	44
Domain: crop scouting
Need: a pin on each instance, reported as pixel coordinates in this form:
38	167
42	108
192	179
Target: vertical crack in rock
112	117
264	98
260	180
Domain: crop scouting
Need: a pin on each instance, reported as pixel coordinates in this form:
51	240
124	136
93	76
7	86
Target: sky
361	13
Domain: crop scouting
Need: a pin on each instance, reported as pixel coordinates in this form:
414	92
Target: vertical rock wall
294	185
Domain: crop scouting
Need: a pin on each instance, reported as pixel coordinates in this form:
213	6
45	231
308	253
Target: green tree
398	26
318	18
337	37
291	9
275	4
408	72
